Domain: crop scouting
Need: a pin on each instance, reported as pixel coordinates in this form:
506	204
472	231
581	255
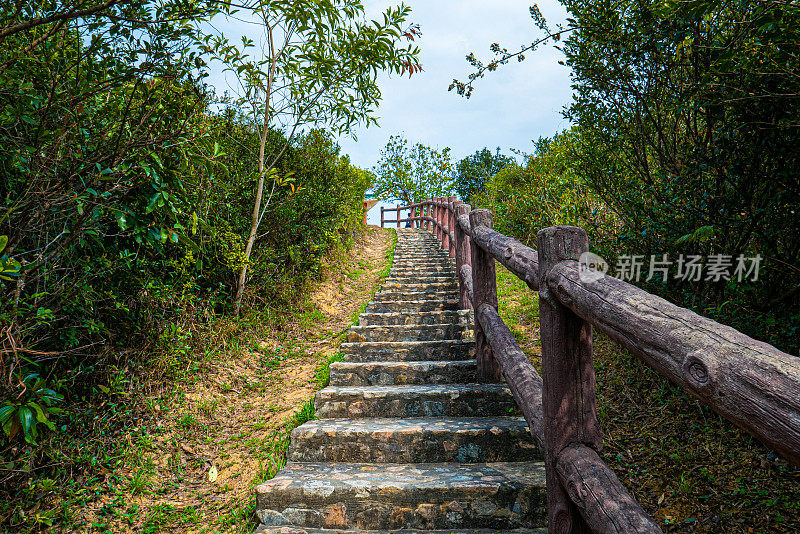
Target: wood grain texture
521	260
569	398
465	281
464	224
748	382
484	286
451	218
522	379
603	501
463	259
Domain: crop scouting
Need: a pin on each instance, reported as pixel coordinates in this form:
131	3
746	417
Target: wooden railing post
463	256
569	399
484	287
451	246
437	210
382	216
398	215
445	218
434	215
429	213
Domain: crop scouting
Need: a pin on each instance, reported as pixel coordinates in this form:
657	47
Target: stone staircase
406	438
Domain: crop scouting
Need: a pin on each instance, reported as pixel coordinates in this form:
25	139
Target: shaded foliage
124	200
689	115
687	124
473	171
548	190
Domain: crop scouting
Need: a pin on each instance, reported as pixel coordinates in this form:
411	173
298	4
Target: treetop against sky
506	111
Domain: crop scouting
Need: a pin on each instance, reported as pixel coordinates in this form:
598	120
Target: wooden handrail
523	380
751	383
602	500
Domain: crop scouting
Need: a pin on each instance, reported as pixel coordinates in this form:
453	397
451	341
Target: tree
412	173
688	116
473	171
97	100
318	64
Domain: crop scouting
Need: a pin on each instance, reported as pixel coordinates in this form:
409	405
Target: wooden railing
750	383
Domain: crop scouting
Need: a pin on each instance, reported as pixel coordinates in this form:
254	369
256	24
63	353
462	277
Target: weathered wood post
382	216
428	213
484	289
438	216
398	215
569	398
451	217
463	257
434	213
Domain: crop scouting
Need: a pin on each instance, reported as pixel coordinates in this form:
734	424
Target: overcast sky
508	109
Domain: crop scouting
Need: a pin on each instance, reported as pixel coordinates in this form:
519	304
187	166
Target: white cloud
519	102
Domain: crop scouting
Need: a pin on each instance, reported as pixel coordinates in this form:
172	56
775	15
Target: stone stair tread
416	317
371	351
263	529
429	495
446	389
415	400
407	306
419	439
410	332
437	295
408	372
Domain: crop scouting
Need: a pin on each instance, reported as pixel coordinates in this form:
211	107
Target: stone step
450	285
463	317
445	400
400	373
414	440
264	529
423	268
392	351
411	306
427	255
499	495
415	277
422	255
405	332
382	296
422	260
405	275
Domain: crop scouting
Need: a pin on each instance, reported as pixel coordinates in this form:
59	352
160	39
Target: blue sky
508	109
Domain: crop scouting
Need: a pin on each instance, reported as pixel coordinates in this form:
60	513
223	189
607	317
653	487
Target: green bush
548	191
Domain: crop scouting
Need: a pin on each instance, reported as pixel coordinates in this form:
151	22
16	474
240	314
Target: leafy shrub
548	191
29	409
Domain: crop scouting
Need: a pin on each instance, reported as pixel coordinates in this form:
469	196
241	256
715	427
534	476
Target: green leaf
5	413
10	427
41	417
26	421
3	242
